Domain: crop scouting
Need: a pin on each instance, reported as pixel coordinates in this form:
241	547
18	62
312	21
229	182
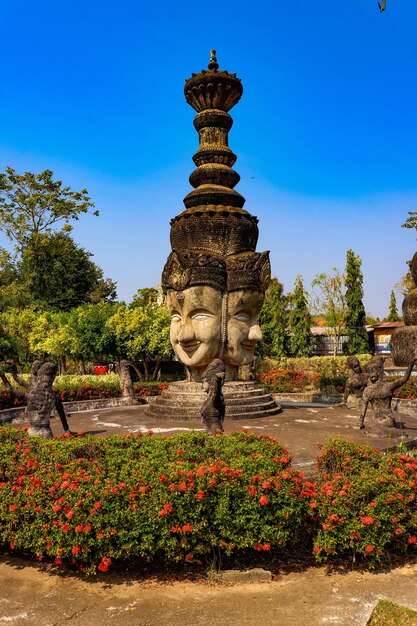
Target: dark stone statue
404	339
213	409
39	396
355	384
126	385
379	393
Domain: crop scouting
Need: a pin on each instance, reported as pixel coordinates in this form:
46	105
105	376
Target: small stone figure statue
355	384
379	393
126	385
213	409
39	396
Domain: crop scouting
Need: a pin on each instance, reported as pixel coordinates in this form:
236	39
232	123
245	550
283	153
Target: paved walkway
300	428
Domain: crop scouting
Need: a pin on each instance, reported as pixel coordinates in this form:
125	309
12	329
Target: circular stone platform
183	400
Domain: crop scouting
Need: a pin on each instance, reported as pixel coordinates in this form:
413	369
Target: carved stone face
354	364
376	372
195	324
243	330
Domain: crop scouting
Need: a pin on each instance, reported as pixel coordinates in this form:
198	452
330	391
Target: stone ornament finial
213	65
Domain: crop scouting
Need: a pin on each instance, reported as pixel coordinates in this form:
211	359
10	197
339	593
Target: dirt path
32	596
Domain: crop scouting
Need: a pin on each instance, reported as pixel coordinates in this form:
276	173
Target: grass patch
387	613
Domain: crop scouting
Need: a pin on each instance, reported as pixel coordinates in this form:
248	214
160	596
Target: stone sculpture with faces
214	280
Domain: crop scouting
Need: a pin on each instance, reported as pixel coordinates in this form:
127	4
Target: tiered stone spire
228	228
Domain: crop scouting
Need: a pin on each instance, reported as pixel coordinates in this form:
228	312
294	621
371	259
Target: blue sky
325	133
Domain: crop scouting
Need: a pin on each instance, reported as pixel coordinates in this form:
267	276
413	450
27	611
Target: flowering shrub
365	501
407	391
72	388
289	381
325	365
91	501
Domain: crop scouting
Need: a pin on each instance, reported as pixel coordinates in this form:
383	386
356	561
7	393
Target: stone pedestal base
41	430
404	345
183	400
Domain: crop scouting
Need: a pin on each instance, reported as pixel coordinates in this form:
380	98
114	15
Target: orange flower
104	564
369	549
412	539
75	549
367	520
263	500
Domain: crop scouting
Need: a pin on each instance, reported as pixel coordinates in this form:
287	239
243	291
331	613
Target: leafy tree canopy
393	311
60	275
358	342
273	319
299	321
31	204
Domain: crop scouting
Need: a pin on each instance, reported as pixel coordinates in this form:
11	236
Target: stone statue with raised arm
355	384
379	393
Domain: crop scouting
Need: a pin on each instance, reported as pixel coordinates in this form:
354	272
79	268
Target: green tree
329	301
141	332
273	319
358	342
299	321
31	204
52	335
60	275
393	311
17	324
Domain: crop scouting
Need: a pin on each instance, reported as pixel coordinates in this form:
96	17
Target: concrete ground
31	595
300	428
35	594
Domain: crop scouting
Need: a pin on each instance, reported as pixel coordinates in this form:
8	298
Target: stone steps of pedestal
230	399
174	415
164	409
228	395
234	386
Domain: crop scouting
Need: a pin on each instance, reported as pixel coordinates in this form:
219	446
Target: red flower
189	557
412	539
187	528
367	520
263	500
75	549
105	564
58	561
13	507
167	508
97	505
200	495
369	549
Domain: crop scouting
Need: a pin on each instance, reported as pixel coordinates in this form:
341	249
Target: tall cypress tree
358	342
393	312
273	320
300	321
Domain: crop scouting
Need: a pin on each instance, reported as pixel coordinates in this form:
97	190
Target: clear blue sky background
326	131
